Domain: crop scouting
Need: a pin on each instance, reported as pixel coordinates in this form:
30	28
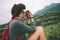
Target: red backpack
6	31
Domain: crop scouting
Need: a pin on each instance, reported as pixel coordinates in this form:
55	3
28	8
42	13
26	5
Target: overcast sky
32	5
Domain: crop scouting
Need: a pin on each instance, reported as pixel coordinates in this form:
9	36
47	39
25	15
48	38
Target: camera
27	14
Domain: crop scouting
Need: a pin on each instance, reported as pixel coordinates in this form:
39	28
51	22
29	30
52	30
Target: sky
32	5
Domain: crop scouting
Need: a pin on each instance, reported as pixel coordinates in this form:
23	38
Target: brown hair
17	9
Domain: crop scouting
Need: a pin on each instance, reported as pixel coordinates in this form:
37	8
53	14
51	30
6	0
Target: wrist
31	16
31	19
28	21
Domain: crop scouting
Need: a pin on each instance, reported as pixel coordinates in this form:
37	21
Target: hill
49	15
49	19
50	8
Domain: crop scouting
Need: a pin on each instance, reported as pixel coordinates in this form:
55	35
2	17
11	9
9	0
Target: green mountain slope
50	8
49	19
49	15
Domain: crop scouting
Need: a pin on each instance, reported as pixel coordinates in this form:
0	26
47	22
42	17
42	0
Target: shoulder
15	22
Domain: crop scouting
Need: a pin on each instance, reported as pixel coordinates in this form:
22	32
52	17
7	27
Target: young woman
18	28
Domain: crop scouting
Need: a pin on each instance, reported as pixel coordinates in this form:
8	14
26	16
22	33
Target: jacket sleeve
24	28
33	24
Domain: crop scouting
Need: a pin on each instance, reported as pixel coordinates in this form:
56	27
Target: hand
30	14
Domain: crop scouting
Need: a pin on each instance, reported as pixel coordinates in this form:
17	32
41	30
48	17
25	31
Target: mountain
49	19
49	15
50	8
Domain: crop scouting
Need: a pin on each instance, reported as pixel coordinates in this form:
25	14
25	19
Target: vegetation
52	32
49	19
51	24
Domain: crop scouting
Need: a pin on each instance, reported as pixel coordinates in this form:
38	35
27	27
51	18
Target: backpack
6	31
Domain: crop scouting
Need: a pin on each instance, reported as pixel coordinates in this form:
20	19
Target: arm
30	21
23	28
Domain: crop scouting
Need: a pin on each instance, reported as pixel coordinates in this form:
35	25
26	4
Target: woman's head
17	10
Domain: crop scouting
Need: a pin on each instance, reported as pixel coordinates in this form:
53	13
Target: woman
18	28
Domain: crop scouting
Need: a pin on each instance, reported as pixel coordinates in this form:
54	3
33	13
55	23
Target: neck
19	18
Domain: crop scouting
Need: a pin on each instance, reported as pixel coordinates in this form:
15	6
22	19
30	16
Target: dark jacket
18	28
